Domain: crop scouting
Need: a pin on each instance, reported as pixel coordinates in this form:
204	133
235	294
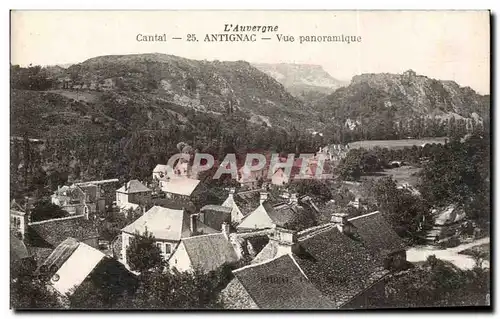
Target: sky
445	45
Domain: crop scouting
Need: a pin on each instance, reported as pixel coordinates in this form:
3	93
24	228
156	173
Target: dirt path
420	253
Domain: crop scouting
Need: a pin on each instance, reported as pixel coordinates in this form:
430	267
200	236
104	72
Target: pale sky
446	45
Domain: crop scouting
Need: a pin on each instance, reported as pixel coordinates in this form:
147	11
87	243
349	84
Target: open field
402	175
396	144
85	96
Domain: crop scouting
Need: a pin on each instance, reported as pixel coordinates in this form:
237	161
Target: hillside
220	87
401	97
305	81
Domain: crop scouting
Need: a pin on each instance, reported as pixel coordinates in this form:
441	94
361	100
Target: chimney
285	240
193	225
225	230
86	212
340	220
263	197
293	199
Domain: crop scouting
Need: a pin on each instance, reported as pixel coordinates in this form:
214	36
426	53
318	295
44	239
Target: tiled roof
282	214
59	255
280	284
267	215
214	215
180	185
50	233
376	233
133	186
217	208
208	252
338	264
72	192
165	223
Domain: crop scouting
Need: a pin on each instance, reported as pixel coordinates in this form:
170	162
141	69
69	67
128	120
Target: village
263	226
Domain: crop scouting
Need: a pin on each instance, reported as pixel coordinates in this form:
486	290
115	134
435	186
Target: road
420	253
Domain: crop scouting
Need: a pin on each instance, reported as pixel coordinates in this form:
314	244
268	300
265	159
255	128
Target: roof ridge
365	215
318	231
298	266
258	264
196	236
55	219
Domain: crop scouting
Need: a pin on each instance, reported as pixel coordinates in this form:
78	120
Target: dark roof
208	252
284	213
16	206
133	186
60	254
217	208
280	284
214	215
338	264
50	233
377	234
18	249
248	201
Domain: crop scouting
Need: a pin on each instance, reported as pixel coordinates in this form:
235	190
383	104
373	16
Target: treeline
30	78
383	126
128	154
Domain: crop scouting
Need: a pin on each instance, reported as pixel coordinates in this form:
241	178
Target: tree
408	214
143	255
46	210
315	188
183	290
459	173
28	291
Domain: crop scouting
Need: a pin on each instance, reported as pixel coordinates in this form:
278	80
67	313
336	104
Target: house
204	252
72	199
179	187
274	284
236	214
268	215
43	236
161	172
378	235
133	192
215	216
18	219
167	225
334	152
72	264
82	197
282	177
102	192
345	259
251	178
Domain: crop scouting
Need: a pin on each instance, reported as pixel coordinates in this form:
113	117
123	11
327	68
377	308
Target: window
159	245
168	249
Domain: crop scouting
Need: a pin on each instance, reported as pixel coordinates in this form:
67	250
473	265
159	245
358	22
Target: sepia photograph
250	160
